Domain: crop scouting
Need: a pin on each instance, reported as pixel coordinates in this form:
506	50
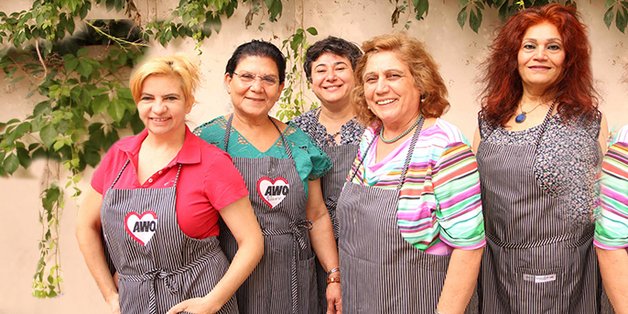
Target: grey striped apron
536	260
284	280
158	265
342	158
381	272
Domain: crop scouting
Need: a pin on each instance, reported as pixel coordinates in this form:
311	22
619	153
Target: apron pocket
539	290
308	294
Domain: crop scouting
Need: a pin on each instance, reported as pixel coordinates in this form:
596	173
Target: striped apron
284	281
536	260
342	158
158	265
381	272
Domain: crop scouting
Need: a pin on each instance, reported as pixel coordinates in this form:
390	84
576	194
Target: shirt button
150	180
160	171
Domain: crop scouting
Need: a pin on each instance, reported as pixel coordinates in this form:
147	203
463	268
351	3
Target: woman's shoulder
444	131
305	120
209	130
622	136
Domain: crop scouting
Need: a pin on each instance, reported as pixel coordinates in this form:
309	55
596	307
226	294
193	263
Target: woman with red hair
539	148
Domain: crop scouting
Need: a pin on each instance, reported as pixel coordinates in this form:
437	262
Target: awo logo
272	191
141	227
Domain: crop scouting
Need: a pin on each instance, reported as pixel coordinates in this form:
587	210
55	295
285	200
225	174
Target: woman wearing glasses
281	167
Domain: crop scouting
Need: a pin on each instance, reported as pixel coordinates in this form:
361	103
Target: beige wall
457	51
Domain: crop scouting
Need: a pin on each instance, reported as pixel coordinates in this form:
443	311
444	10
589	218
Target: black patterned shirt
350	132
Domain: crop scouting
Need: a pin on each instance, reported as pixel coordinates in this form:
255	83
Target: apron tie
171	284
297	230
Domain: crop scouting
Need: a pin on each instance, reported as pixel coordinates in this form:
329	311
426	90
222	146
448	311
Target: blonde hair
422	67
175	65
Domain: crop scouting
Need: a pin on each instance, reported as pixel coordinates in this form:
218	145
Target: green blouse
311	162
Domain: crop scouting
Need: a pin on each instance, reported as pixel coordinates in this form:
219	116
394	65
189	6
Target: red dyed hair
573	90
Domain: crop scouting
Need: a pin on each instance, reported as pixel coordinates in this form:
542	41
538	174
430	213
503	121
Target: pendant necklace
404	133
522	116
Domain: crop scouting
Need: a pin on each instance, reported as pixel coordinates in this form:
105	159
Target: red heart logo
141	227
272	191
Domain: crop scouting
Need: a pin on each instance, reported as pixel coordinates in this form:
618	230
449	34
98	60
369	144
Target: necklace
404	133
523	115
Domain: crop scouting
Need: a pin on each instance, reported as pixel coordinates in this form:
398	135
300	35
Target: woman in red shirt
153	207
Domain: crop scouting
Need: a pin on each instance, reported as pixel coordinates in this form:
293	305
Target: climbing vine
77	71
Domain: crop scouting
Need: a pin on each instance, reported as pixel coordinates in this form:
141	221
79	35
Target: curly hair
573	90
433	102
333	45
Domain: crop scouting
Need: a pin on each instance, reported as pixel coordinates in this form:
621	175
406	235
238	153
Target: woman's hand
114	303
195	305
334	298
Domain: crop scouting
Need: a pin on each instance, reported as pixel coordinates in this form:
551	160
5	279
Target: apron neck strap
283	139
176	179
544	124
406	165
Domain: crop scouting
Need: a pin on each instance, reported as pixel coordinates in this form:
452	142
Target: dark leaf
462	17
48	135
312	30
608	17
11	163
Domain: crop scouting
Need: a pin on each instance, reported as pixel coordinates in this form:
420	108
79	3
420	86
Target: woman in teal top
311	162
281	167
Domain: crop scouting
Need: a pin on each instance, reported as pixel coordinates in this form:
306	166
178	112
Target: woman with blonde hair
154	204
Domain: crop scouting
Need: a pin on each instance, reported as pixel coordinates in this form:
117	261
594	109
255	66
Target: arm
323	242
603	137
457	190
242	223
614	269
88	234
462	275
476	141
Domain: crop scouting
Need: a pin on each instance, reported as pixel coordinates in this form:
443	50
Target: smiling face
332	79
541	57
389	89
254	97
162	105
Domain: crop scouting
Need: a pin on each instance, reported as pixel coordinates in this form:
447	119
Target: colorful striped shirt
440	207
611	228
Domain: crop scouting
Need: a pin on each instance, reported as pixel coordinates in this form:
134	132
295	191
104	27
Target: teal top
311	162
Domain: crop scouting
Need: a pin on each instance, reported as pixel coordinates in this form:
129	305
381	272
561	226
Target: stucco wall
457	51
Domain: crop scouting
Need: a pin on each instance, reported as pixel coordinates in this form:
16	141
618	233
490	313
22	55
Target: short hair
175	65
503	87
422	67
333	45
258	48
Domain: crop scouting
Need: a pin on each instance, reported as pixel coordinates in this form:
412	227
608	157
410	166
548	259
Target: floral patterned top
350	132
560	172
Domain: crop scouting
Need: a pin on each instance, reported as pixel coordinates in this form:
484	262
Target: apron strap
544	125
176	178
119	173
297	230
406	164
228	135
166	276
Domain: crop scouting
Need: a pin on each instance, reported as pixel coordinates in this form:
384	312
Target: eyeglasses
266	80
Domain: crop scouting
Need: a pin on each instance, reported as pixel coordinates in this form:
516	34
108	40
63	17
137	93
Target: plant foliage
77	70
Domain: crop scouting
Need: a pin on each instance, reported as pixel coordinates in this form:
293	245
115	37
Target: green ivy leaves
292	102
617	9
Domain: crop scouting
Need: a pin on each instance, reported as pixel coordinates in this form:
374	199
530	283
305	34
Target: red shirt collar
190	153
